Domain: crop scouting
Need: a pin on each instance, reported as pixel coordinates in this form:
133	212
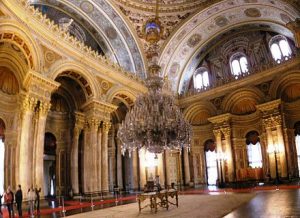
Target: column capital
28	103
44	108
106	126
93	123
39	86
100	109
79	120
217	132
226	131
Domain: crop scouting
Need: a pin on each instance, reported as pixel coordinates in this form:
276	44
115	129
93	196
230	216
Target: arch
197	113
210	144
88	83
182	49
16	34
282	82
242	101
119	92
278	50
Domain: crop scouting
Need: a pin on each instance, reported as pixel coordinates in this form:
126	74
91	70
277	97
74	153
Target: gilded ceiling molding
60	38
16	34
121	93
110	25
179	56
197	107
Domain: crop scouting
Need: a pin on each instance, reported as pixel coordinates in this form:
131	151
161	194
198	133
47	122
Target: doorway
211	162
50	165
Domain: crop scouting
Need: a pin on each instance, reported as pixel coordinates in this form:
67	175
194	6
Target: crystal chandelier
154	122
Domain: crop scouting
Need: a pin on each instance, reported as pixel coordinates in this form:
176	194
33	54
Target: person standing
19	199
37	200
31	200
1	204
9	200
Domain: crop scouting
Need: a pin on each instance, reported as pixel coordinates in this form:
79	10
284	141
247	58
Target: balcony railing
254	70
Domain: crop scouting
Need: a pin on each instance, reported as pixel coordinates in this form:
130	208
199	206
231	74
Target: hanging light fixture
154	122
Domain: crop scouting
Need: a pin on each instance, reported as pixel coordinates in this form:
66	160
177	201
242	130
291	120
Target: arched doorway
2	156
50	164
297	142
211	162
254	152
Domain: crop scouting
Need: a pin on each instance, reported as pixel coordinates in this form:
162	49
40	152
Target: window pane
254	155
205	78
198	82
285	48
244	64
236	67
276	52
297	139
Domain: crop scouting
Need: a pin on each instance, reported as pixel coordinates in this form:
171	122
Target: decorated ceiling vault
71	70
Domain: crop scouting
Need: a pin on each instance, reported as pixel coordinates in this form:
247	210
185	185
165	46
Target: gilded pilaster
229	154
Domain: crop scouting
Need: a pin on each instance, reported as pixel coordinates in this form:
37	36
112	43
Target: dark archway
50	164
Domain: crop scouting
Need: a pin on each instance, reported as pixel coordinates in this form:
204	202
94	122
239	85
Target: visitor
31	199
1	205
37	199
9	201
19	199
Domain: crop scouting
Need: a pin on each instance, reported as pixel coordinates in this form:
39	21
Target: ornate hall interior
71	71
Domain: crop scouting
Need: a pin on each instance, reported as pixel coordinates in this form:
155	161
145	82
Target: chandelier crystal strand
154	122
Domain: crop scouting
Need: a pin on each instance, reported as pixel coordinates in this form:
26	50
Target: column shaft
187	174
106	127
74	161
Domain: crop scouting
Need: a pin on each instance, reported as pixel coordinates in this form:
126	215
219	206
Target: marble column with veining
119	164
187	174
104	179
25	149
99	160
43	110
229	154
74	159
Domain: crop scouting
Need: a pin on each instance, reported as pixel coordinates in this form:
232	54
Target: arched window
201	79
239	64
280	48
211	162
254	150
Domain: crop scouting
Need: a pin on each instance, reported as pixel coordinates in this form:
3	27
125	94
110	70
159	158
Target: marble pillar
43	109
25	149
74	160
104	179
119	164
187	174
282	155
229	154
135	180
271	154
99	160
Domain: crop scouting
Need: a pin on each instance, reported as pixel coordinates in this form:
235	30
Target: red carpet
72	205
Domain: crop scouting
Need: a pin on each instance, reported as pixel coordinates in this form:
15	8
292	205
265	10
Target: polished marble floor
270	204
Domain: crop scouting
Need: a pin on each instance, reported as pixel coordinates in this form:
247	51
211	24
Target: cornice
269	106
220	118
253	79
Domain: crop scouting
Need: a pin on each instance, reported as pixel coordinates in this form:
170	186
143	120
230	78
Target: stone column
187	174
43	109
168	153
79	124
218	135
161	167
90	156
25	157
119	164
135	180
229	154
142	154
281	147
106	127
271	155
99	160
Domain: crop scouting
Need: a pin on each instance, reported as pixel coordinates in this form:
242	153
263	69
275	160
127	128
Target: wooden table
161	199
